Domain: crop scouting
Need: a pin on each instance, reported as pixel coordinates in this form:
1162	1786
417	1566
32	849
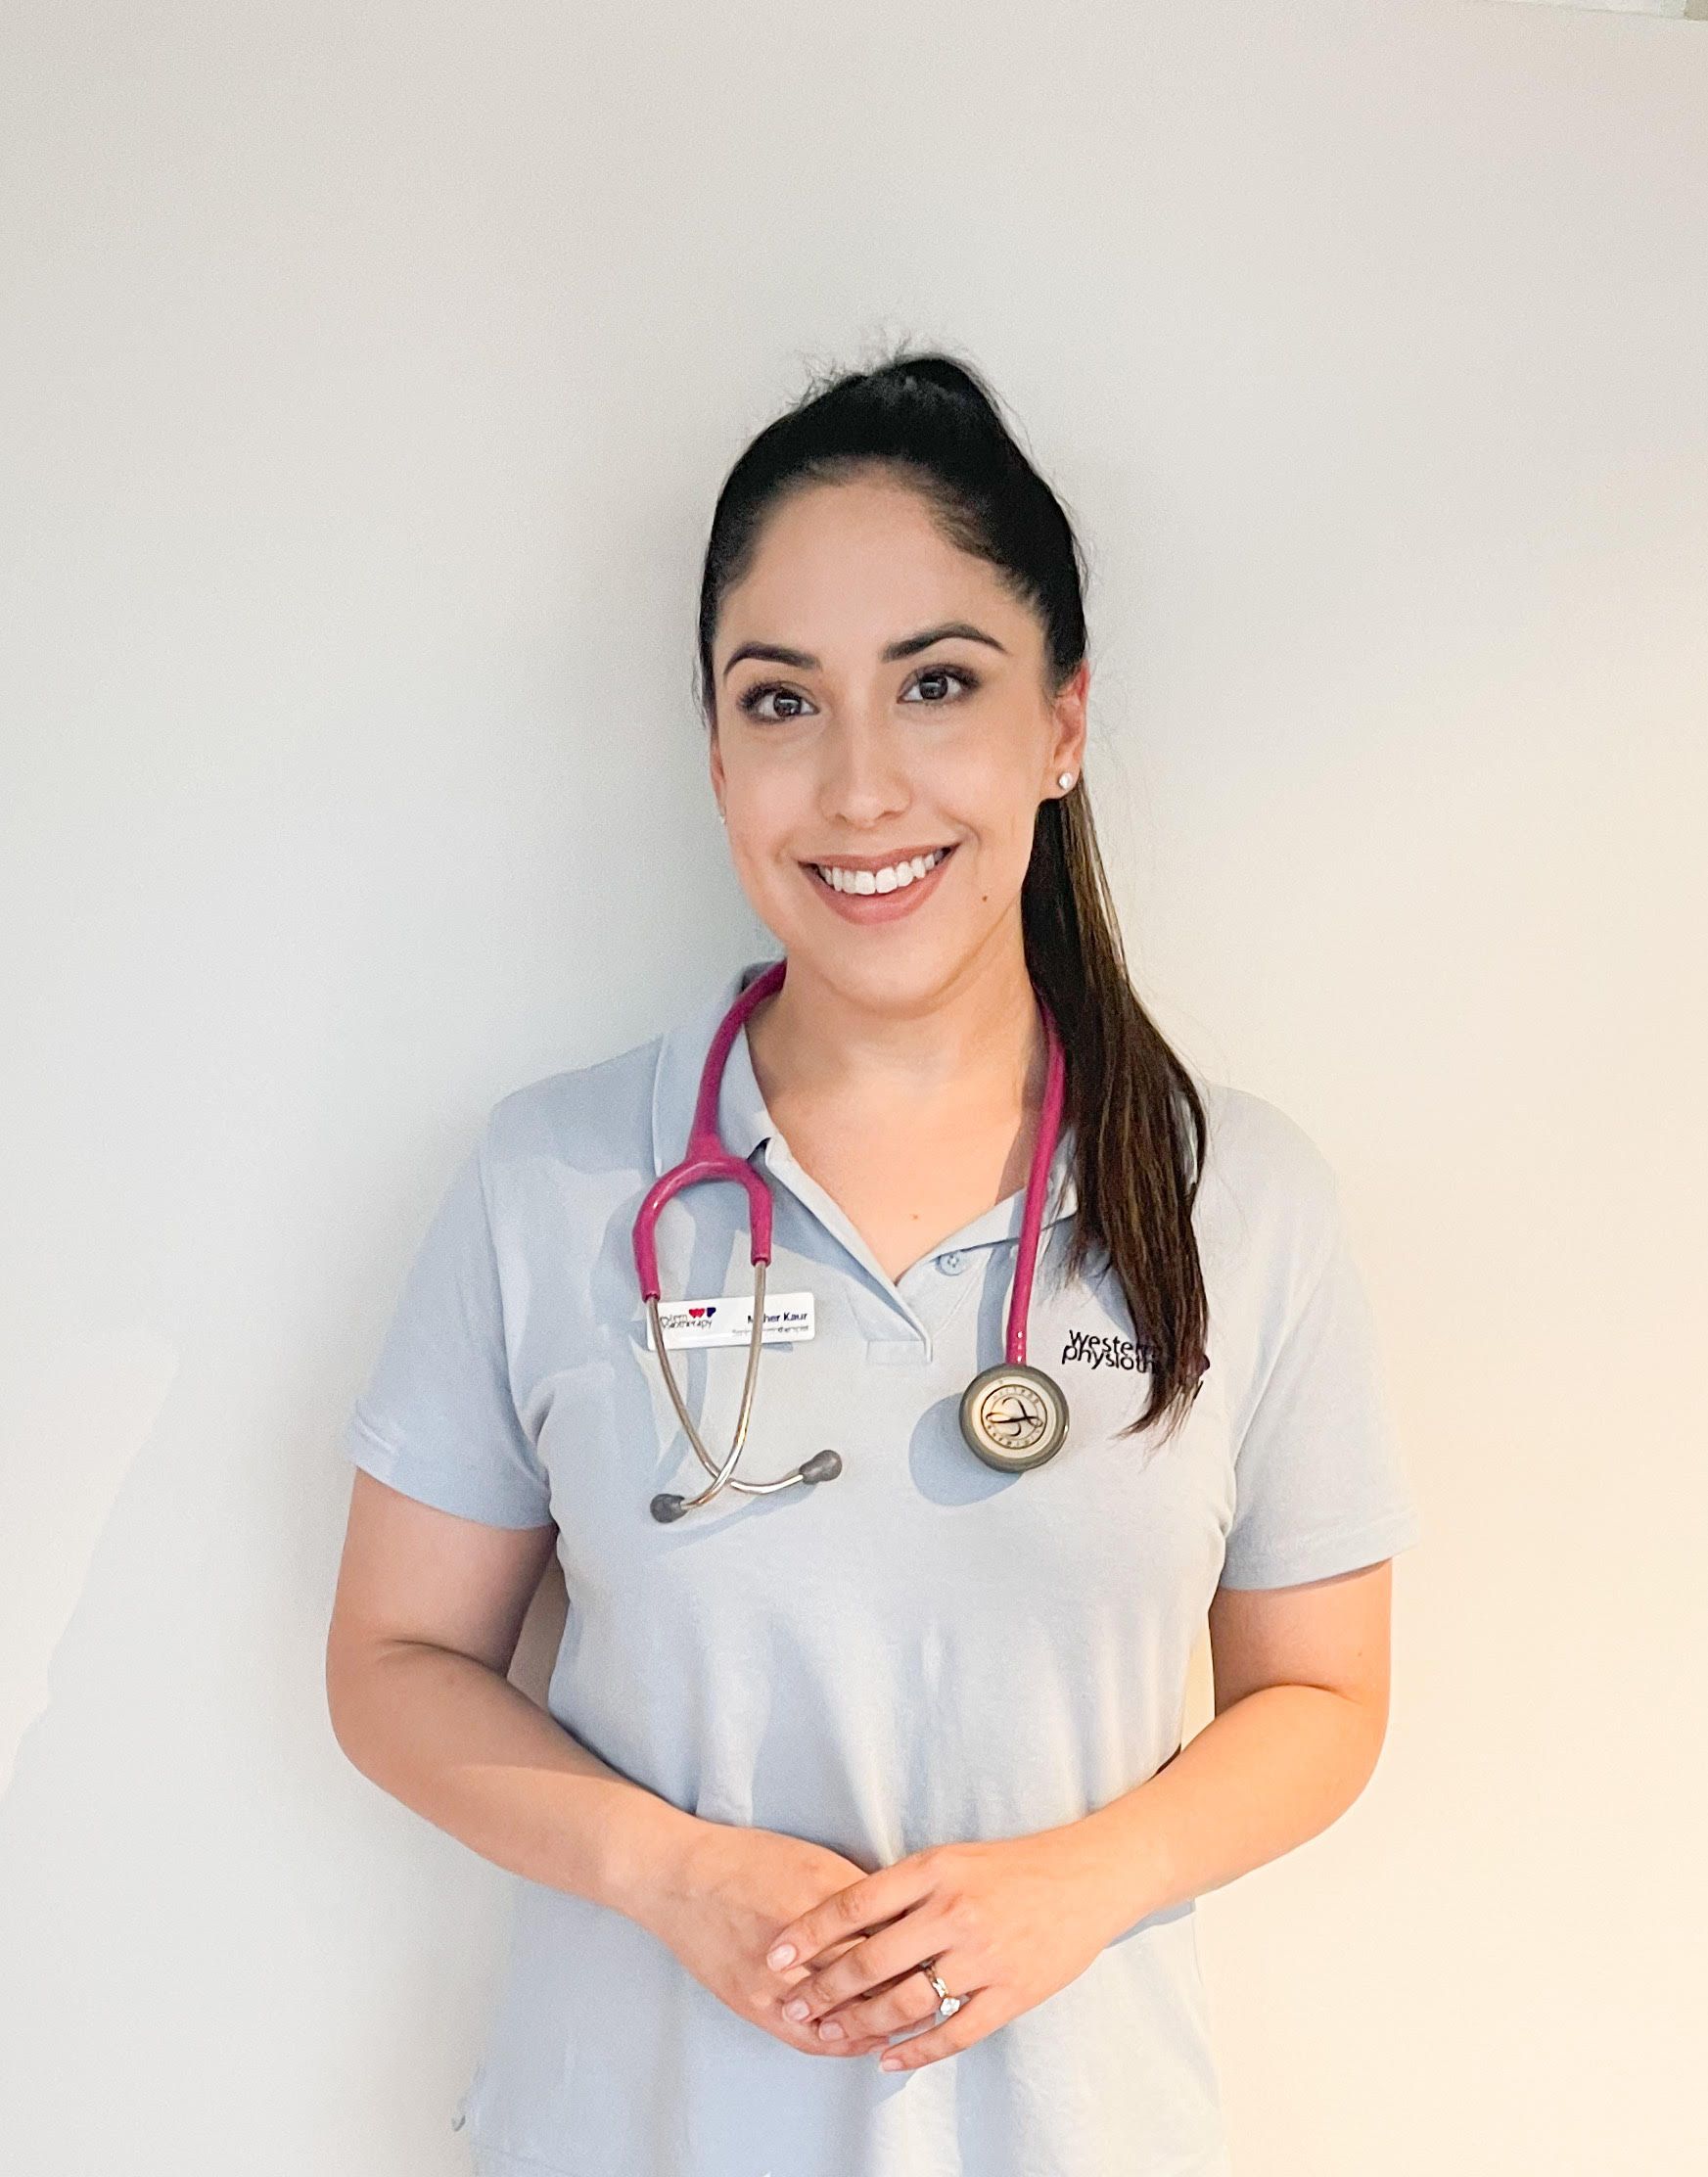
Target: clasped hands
1003	1923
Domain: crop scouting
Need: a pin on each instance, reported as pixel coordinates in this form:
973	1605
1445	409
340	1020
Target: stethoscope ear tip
666	1507
822	1466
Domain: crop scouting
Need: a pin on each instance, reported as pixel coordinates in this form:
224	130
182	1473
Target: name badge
729	1321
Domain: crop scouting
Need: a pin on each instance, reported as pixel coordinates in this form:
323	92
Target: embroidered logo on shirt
1103	1350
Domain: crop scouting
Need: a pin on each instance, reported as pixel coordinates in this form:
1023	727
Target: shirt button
951	1264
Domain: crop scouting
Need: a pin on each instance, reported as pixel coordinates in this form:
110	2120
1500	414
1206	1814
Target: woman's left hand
1004	1925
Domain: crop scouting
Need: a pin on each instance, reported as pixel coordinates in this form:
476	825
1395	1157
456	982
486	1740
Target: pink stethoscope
1012	1415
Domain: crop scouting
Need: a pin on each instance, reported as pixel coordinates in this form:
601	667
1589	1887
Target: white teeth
898	875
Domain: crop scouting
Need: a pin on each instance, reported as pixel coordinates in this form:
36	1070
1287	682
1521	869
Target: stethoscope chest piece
1014	1416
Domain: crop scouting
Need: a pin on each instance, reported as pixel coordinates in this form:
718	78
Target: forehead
849	567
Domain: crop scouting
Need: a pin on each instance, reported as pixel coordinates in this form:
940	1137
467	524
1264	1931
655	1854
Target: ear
1068	746
715	764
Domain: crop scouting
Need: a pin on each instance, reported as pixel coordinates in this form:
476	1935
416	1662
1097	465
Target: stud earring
1064	779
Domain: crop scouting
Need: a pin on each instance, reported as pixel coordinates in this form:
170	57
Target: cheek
761	818
1003	852
986	789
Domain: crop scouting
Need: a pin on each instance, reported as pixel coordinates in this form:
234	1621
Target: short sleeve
1320	1486
437	1417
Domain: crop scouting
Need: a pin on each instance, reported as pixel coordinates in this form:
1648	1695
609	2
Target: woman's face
840	756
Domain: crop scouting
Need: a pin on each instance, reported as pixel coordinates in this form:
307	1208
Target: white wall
372	376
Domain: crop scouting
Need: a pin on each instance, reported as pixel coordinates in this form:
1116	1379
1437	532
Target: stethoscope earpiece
822	1466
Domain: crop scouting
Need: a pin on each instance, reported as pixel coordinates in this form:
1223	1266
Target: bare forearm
1268	1773
465	1748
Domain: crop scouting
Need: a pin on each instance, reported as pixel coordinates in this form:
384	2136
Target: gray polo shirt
923	1649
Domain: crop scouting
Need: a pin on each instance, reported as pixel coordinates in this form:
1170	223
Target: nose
866	774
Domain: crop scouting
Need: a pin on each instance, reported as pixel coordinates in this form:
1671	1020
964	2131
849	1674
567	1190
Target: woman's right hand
720	1909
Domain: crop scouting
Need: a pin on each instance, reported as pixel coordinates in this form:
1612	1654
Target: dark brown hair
1138	1122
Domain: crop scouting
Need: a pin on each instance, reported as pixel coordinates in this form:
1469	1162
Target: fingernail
795	2009
783	1955
830	2030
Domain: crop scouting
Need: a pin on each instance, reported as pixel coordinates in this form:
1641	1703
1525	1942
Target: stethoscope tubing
707	1159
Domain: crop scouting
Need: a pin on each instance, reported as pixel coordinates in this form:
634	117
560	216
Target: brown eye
749	702
968	680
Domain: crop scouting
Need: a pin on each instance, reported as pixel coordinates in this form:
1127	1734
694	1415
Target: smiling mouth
895	876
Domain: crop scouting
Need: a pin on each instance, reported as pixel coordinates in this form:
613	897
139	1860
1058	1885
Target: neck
975	1042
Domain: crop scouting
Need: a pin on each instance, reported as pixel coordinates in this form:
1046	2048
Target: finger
969	2023
859	2044
894	2008
805	2037
887	1956
812	2043
874	1899
809	2040
791	1976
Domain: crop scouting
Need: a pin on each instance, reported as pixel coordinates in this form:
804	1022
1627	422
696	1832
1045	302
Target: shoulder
595	1118
1268	1196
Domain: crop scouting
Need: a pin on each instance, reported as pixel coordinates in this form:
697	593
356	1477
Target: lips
880	906
902	869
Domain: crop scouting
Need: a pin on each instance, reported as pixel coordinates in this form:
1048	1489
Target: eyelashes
753	696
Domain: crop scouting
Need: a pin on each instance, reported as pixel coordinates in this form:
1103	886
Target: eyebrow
804	660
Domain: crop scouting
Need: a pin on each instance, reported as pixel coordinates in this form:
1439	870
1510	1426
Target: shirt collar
746	1124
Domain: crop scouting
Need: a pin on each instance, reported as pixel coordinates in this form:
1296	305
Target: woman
917	1714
